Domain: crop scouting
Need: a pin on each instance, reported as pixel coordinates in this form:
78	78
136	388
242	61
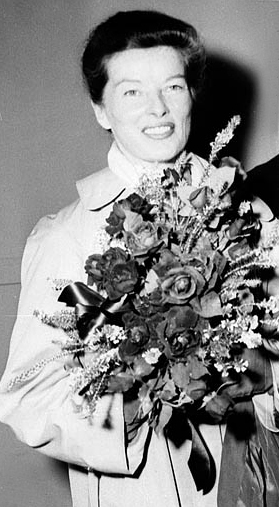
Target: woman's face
147	103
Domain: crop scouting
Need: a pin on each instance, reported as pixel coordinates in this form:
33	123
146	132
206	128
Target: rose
143	238
137	337
92	268
182	343
115	219
179	332
134	203
97	265
209	263
121	279
139	205
145	324
113	271
181	284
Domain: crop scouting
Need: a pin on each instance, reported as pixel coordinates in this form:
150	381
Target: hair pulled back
137	30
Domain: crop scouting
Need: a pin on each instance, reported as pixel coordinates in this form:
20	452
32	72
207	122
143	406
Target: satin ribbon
92	309
201	463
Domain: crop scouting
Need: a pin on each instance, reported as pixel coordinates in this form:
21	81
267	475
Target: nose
157	104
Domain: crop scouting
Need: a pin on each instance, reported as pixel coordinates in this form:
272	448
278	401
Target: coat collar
100	189
103	187
118	179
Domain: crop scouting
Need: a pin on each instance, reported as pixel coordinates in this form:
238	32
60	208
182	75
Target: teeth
158	130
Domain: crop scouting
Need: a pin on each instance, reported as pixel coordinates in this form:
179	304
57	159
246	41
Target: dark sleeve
263	181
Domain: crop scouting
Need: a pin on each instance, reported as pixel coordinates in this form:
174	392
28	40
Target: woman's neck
143	166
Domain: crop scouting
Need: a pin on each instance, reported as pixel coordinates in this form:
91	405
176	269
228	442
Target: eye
131	93
175	88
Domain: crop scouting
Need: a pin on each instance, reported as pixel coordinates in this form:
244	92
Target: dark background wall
49	139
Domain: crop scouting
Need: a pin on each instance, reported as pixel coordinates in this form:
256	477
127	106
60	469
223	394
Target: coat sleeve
40	410
267	404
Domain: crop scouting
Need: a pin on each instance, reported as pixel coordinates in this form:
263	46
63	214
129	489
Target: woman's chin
161	153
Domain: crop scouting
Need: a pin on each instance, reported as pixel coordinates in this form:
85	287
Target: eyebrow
176	76
138	81
127	80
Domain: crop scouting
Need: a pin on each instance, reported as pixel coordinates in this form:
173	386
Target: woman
143	70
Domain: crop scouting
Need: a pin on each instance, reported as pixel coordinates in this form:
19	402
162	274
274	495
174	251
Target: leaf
186	210
220	261
184	192
180	373
222	177
141	368
163	418
210	305
168	391
196	367
151	282
196	389
120	383
218	406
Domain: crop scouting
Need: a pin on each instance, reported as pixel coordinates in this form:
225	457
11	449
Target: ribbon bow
92	309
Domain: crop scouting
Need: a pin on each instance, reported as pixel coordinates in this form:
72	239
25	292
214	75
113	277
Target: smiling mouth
159	132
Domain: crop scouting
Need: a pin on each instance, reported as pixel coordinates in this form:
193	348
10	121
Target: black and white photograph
139	260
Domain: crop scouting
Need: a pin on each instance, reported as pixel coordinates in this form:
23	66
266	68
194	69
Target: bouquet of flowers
175	297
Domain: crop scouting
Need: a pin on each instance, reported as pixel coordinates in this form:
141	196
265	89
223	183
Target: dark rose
181	284
95	274
97	265
182	343
113	271
139	205
179	332
137	337
115	219
143	238
121	279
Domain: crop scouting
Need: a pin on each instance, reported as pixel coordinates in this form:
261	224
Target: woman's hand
257	379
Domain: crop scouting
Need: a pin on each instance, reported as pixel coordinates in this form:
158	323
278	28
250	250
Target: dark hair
135	30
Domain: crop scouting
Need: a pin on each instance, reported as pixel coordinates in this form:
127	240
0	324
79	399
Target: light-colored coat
151	471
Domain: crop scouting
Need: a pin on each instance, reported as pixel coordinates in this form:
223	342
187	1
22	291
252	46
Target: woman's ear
101	115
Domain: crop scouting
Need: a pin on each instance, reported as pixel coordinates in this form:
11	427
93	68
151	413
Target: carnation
152	355
251	339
